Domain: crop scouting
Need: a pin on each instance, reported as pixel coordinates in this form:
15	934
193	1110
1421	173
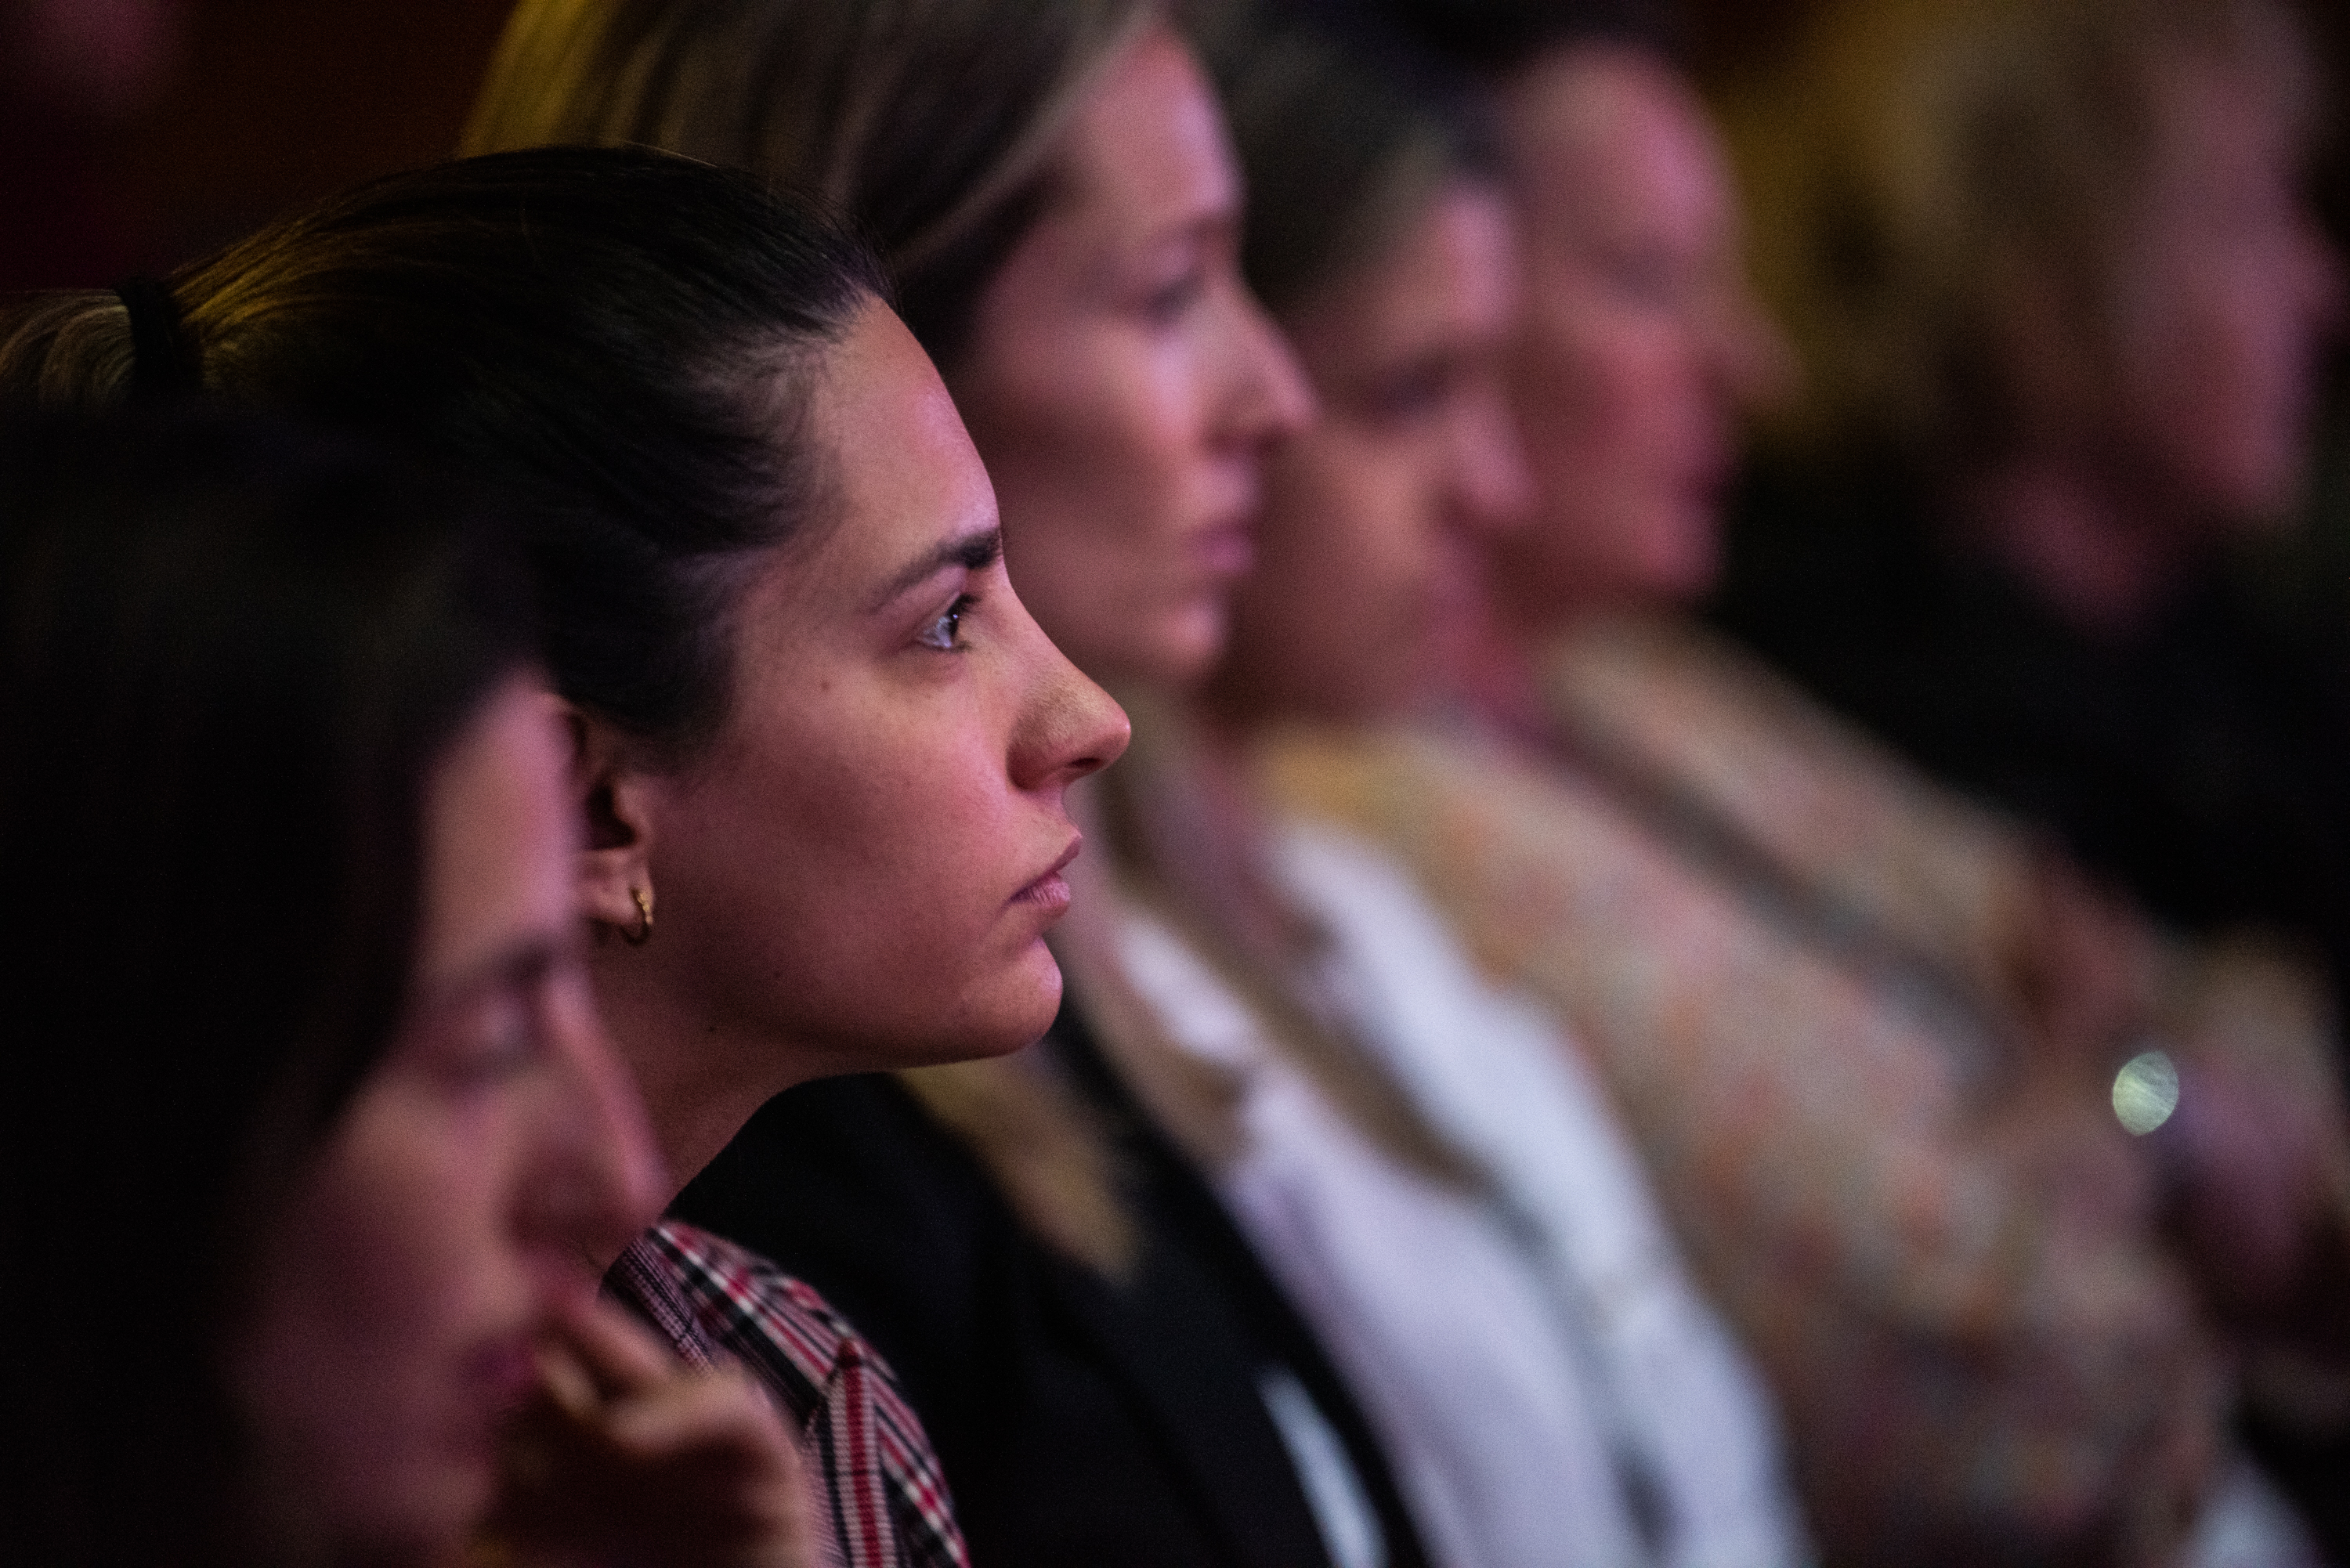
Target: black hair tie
163	362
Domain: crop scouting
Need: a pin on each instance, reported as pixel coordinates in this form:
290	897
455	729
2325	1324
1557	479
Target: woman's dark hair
629	340
231	654
1344	132
931	123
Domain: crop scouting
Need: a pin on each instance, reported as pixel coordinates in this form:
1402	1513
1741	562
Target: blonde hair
67	350
929	124
1915	161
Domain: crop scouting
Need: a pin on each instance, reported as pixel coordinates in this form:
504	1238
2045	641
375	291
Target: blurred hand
2083	967
2259	1205
626	1457
2258	1152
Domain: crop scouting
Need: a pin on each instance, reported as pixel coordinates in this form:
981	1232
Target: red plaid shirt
713	1300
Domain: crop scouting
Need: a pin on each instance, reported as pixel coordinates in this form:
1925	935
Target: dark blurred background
138	133
141	133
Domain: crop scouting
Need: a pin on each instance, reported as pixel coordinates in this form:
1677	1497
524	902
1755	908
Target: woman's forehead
1147	151
904	476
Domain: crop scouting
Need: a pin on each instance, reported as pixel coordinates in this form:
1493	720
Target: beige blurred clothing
1818	988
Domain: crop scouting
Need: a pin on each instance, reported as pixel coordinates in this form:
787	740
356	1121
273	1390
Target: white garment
1504	1350
1491	1070
2247	1523
1350	1527
1426	1305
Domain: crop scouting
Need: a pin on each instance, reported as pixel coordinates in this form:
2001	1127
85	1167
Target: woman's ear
611	790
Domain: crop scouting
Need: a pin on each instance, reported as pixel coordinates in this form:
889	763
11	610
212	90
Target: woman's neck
2105	566
701	1078
1493	666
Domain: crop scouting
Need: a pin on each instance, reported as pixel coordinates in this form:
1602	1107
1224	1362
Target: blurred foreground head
302	1071
2067	234
1049	186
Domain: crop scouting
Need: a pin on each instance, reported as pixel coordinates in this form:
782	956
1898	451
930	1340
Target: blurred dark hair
231	654
629	339
1499	37
1344	132
929	122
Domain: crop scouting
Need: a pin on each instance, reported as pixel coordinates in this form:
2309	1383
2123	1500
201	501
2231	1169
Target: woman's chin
431	1518
1033	1013
1009	1016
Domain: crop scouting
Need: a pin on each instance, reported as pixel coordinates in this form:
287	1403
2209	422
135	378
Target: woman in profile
817	747
1109	1375
1419	1154
302	1033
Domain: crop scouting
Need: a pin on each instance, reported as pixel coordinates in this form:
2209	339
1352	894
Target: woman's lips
1227	550
1050	892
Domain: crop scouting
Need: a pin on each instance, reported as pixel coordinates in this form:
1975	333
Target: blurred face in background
1373	513
2222	291
1122	386
1641	345
453	1208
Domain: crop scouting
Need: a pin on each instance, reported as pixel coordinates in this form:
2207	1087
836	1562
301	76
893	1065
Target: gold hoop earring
644	931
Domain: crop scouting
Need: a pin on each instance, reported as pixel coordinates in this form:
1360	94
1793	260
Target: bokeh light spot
2146	1091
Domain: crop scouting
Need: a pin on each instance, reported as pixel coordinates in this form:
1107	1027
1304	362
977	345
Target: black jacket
1078	1421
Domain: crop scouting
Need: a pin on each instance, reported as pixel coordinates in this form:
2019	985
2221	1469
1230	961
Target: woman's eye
1422	390
1166	303
945	634
1650	277
497	1037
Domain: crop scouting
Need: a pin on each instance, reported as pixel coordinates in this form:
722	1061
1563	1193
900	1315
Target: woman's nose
600	1178
1268	396
1494	488
1069	727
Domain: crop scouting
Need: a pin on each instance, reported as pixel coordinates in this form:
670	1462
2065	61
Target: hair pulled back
626	340
931	123
230	655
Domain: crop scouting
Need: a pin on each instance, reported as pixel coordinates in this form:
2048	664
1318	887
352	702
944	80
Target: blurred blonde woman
1420	1154
2063	301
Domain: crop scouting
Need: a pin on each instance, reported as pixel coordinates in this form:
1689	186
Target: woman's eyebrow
972	552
